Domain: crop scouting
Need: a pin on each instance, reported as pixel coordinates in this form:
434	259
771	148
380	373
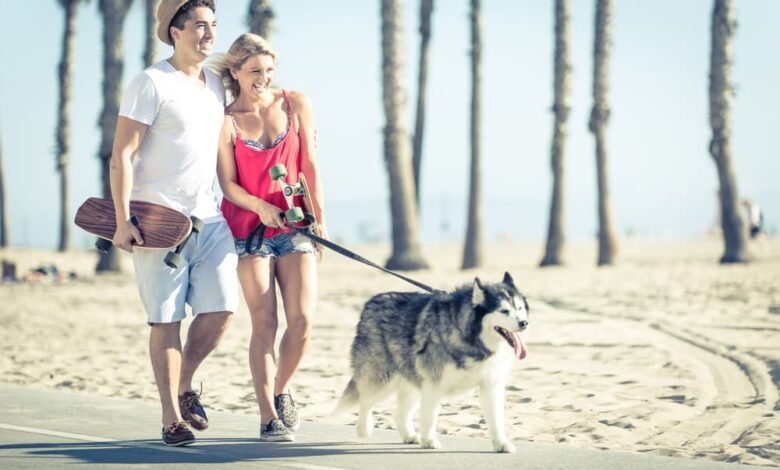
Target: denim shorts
279	245
207	280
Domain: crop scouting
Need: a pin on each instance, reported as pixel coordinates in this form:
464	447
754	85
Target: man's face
199	33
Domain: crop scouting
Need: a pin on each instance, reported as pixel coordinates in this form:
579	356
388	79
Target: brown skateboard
161	227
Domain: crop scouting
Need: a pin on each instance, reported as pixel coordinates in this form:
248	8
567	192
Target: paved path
45	428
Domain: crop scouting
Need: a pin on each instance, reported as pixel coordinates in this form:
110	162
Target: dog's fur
428	346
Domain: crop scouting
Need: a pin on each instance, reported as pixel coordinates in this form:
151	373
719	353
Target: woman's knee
300	325
264	321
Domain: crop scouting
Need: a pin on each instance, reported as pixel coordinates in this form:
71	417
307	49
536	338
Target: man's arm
127	139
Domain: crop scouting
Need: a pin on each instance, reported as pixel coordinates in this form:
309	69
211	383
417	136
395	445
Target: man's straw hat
165	13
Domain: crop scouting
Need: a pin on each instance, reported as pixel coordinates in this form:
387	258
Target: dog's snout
523	324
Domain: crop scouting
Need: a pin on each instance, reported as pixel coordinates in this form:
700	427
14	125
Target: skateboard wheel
277	171
172	260
197	224
103	245
294	214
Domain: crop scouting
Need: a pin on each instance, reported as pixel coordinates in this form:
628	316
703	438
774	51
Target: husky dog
428	346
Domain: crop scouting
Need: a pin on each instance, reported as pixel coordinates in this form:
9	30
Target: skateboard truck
293	213
172	258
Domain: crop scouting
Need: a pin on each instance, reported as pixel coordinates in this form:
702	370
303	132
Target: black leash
258	232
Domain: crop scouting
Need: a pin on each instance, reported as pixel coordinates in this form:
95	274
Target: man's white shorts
206	280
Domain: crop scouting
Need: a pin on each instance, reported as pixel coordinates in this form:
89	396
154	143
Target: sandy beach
667	353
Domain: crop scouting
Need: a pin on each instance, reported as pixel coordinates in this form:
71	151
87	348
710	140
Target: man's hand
127	233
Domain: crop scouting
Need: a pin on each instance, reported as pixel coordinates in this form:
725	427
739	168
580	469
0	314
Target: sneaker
177	434
192	410
285	409
276	431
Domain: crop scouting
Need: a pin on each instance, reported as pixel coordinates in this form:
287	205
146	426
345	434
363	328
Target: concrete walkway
44	428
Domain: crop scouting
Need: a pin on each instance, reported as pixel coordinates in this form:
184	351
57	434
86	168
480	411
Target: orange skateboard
161	227
293	213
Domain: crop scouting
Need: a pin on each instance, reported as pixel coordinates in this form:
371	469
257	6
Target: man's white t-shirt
176	163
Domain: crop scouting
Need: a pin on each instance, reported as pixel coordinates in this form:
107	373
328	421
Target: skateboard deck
308	206
161	227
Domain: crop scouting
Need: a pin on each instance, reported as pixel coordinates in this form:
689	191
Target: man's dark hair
183	14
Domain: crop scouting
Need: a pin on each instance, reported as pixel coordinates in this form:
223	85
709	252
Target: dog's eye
505	311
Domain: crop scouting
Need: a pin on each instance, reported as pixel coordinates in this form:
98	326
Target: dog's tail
349	398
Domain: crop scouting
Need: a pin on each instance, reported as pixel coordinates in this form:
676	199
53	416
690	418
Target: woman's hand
270	215
321	231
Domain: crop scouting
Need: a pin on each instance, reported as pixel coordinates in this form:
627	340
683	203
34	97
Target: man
165	151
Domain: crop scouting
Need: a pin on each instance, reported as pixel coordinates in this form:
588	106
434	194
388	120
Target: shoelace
176	426
192	397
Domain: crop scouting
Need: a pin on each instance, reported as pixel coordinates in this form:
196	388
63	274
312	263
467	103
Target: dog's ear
477	293
508	279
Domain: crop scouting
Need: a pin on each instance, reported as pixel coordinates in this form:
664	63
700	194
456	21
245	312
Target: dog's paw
504	447
430	443
411	439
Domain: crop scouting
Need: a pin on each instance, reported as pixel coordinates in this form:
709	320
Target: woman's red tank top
252	167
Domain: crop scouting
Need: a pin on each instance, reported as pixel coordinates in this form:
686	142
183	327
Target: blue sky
663	181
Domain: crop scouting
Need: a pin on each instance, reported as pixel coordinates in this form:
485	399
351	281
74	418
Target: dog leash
259	231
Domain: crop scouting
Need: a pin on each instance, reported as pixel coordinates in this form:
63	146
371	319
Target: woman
263	127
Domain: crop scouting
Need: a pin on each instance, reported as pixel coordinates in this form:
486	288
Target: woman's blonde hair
244	47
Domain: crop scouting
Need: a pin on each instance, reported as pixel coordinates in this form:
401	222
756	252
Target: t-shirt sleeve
141	102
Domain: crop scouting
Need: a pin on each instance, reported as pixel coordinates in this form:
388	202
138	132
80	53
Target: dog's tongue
521	350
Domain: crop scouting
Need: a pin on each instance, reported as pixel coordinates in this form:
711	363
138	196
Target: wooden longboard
161	227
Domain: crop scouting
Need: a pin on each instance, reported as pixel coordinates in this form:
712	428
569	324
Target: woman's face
255	75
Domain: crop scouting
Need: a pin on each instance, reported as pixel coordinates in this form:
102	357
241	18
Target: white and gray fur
425	347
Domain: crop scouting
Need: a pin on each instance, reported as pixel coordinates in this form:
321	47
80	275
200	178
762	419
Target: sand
666	353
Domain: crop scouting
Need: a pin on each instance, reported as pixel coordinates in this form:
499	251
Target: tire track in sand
737	394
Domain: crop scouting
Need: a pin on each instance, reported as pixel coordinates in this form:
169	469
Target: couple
174	136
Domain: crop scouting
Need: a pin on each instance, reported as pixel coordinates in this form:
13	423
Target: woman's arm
228	180
306	131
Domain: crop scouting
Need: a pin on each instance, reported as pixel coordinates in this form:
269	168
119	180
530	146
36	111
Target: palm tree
64	71
114	13
406	253
150	33
598	123
260	18
721	94
426	8
5	239
555	231
472	251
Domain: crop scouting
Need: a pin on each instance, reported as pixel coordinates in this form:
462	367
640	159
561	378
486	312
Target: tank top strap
235	126
289	109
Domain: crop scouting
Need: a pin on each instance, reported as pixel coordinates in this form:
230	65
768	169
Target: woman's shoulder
298	100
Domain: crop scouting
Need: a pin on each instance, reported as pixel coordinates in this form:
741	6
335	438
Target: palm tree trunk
426	8
260	18
472	251
150	33
721	93
5	237
555	230
63	117
114	13
598	124
406	253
